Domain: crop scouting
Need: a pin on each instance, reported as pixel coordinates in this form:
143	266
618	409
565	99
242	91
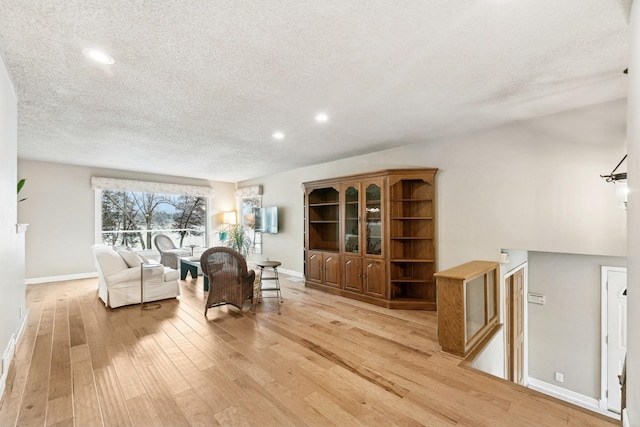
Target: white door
616	333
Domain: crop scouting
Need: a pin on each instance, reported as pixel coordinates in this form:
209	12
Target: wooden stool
274	265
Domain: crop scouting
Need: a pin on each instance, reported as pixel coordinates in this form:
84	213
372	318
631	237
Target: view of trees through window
133	219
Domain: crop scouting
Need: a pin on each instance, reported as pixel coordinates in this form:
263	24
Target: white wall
12	288
529	185
60	211
564	333
491	359
633	222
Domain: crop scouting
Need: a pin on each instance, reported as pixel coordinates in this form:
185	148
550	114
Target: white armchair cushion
130	257
151	274
111	262
170	274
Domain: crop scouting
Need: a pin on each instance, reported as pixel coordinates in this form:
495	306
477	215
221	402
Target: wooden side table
273	265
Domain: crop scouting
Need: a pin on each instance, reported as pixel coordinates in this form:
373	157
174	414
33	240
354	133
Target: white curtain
114	184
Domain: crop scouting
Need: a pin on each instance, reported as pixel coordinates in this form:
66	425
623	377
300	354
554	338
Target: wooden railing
467	305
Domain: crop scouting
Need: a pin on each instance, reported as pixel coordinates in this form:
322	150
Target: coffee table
192	265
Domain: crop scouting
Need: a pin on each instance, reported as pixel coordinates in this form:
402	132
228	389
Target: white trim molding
114	184
39	280
604	331
525	316
579	399
291	273
7	357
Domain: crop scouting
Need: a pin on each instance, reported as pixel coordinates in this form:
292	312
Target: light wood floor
326	361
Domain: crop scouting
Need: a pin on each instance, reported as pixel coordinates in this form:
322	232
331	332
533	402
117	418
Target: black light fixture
620	179
613	176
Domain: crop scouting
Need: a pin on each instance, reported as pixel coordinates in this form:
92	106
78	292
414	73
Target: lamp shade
229	218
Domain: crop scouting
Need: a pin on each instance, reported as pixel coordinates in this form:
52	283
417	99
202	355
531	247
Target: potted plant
237	238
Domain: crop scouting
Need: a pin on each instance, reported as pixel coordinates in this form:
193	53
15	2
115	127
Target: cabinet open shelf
413	291
323	204
412	242
323	216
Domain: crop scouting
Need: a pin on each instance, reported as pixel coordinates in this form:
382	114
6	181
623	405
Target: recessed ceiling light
278	135
321	117
98	56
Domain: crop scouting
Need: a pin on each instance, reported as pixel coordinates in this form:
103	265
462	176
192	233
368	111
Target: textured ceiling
198	87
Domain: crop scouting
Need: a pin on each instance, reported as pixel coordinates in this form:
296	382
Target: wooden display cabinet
381	227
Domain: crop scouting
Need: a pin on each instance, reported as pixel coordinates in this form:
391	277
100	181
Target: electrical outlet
559	377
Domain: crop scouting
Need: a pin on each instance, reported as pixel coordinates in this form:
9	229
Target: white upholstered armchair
119	278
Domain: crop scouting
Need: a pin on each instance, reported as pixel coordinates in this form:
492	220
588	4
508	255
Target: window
133	219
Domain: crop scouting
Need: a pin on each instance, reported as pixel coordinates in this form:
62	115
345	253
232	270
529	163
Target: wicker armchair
229	280
169	254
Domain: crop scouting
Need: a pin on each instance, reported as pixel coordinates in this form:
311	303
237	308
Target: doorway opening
614	336
515	326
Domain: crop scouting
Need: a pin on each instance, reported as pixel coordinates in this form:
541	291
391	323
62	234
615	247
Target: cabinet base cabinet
323	268
314	267
364	276
352	274
331	270
373	278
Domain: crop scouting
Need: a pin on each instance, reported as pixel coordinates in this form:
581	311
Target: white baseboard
22	327
252	264
39	280
291	272
8	354
625	419
5	362
578	399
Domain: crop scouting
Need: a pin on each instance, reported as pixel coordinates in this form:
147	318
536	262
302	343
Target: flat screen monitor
267	220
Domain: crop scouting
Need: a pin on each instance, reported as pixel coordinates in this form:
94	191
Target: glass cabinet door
352	220
373	219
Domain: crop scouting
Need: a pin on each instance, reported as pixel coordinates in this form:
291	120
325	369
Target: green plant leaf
21	184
